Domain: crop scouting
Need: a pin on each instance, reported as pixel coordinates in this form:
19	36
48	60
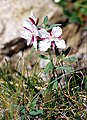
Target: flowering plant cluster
52	87
42	37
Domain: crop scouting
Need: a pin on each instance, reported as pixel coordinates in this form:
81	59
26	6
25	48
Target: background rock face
13	13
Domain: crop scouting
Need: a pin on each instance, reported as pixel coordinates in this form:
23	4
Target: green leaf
48	67
73	16
36	112
67	13
65	52
76	5
83	11
46	20
40	27
22	109
42	57
68	69
52	26
55	85
22	117
86	82
63	3
70	59
75	19
33	103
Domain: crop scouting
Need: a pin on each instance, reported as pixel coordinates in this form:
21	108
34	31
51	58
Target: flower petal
43	33
35	42
26	34
35	30
57	31
27	25
60	44
44	45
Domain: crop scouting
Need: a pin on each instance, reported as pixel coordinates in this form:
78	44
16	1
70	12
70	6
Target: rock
14	12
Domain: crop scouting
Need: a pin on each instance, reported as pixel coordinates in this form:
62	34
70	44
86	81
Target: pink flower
30	31
51	39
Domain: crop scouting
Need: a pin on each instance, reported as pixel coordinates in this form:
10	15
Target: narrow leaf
71	59
46	20
48	67
36	112
55	85
53	25
42	57
68	69
33	103
86	83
